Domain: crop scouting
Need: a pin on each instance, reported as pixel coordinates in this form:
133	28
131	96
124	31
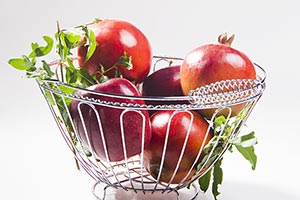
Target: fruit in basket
180	123
52	91
163	82
212	63
121	46
110	120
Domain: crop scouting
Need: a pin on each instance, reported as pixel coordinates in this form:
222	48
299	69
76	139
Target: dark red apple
110	120
164	82
114	38
179	123
212	63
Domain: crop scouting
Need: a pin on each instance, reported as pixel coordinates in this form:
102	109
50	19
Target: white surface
36	164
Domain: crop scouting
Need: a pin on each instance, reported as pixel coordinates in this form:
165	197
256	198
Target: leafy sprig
125	61
29	63
245	145
64	69
90	41
38	51
66	41
36	66
224	129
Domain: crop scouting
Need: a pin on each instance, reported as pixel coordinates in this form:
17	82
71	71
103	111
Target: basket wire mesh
130	173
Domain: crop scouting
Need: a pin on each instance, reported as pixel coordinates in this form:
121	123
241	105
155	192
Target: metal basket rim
189	100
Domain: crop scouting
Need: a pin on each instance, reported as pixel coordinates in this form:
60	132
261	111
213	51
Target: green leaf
47	69
67	90
66	41
92	45
21	63
219	121
62	48
217	178
60	102
245	140
249	154
118	73
204	181
85	78
71	64
243	113
70	76
38	51
219	124
72	39
90	42
34	45
245	145
126	61
49	97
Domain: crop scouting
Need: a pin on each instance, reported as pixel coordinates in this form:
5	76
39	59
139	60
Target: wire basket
93	146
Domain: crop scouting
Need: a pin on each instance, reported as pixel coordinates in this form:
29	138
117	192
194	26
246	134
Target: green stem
61	61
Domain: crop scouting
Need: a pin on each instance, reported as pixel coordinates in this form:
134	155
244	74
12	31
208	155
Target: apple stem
223	39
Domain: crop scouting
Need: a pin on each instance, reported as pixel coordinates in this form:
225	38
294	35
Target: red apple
110	120
212	63
114	38
179	123
163	82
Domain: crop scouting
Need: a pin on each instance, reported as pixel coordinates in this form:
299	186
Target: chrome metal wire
130	173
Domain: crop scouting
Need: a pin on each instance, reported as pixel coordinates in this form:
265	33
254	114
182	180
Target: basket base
104	192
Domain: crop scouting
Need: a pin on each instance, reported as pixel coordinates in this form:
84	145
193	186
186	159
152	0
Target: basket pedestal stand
104	192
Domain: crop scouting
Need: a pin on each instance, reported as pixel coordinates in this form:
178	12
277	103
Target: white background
36	164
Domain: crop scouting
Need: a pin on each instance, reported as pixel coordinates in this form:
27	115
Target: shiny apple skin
212	63
114	37
110	120
180	123
163	82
